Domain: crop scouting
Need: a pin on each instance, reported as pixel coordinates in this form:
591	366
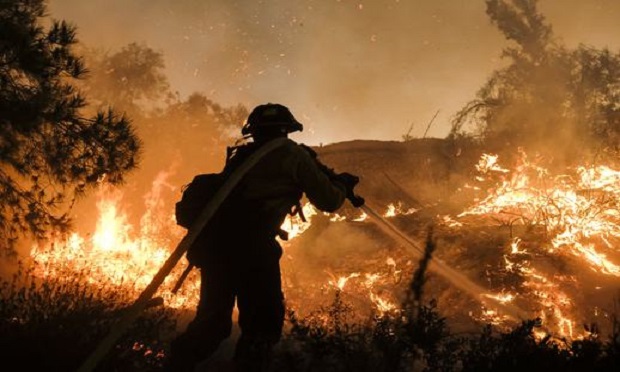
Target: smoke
348	69
338	241
313	263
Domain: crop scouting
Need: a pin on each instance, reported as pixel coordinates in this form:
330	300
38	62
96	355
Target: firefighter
240	257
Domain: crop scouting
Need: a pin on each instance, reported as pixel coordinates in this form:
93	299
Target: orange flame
580	214
117	255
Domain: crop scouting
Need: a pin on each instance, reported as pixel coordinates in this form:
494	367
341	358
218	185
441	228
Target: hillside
427	170
528	246
423	174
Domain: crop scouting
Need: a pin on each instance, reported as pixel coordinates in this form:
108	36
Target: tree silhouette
180	136
548	97
194	132
49	152
130	79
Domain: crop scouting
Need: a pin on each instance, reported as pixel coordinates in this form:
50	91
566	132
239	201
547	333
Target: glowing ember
337	218
449	221
394	210
361	218
501	297
514	246
340	282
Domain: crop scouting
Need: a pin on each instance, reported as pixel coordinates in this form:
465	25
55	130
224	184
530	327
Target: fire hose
459	280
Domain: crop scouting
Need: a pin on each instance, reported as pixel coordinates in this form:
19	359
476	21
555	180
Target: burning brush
578	215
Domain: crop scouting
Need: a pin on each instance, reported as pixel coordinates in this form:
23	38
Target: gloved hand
350	181
347	179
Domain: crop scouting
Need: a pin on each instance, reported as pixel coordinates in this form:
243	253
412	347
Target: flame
397	209
125	258
580	215
488	163
501	297
361	218
118	257
366	286
556	304
341	281
449	221
295	226
383	305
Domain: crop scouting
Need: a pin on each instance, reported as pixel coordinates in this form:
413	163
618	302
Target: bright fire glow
578	212
397	209
116	255
580	215
295	226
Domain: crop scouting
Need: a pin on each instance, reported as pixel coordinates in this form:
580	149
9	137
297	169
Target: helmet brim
291	127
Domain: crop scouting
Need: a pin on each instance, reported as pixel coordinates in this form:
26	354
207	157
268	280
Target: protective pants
255	283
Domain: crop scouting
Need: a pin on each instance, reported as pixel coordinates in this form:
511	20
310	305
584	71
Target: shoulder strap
235	176
207	213
235	156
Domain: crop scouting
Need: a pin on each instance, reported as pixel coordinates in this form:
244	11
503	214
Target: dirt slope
428	170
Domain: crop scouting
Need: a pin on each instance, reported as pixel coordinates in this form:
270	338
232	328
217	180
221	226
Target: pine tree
50	153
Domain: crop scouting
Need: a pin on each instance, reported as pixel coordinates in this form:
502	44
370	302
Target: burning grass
544	242
60	321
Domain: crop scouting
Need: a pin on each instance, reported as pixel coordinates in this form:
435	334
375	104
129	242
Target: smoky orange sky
347	69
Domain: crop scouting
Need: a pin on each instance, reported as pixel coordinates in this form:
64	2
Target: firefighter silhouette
239	254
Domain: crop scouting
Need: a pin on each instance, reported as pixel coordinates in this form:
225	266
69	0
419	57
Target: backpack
202	189
195	196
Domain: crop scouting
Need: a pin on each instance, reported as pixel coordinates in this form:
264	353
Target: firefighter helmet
271	116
